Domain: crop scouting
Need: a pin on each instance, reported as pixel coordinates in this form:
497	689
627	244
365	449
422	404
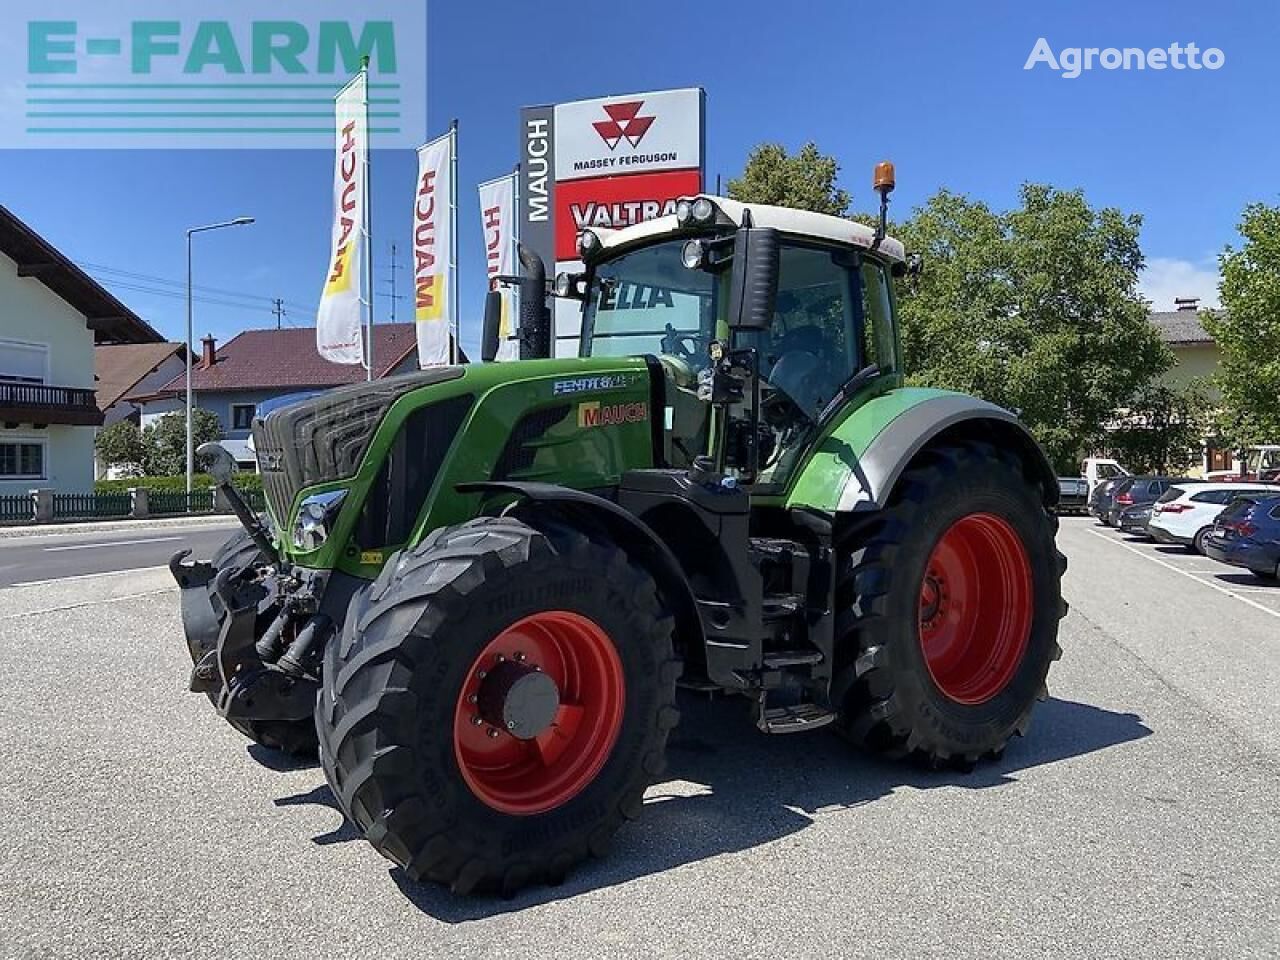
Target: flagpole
453	242
513	332
368	225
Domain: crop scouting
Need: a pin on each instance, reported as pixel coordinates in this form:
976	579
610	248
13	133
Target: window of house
23	362
242	415
21	460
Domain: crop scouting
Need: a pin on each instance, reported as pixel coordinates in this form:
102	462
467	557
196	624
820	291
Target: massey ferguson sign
632	134
609	162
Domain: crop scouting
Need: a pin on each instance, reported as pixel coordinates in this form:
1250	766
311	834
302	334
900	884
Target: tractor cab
776	316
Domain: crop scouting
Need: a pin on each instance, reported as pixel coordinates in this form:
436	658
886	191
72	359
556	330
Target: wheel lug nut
481	674
519	657
511	724
476	721
472	699
493	734
500	657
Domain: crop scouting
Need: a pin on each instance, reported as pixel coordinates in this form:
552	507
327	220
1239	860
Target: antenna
394	296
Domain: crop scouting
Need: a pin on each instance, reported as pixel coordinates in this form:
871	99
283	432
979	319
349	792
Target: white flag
432	232
498	213
338	323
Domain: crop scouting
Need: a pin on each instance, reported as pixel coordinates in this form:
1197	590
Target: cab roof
786	220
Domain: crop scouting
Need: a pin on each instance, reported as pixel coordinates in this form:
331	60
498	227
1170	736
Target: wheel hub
975	608
518	698
539	712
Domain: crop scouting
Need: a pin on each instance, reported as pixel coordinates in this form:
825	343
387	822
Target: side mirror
492	326
221	464
753	291
535	317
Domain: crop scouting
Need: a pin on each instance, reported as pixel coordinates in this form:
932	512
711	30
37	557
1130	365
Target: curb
110	526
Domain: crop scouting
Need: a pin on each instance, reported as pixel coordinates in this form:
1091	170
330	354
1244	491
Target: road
71	553
1139	818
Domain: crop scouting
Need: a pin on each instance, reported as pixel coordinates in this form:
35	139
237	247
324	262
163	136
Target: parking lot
1139	817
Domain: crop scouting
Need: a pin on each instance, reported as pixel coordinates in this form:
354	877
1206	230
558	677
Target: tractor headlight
315	519
588	243
684	212
694	254
703	210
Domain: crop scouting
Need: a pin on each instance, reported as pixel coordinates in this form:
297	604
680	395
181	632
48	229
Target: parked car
1134	490
1187	511
1134	519
1097	470
1100	500
1247	534
1073	495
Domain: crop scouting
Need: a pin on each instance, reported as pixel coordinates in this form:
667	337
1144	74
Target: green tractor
478	588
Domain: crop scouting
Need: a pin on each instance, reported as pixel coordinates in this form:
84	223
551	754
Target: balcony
41	404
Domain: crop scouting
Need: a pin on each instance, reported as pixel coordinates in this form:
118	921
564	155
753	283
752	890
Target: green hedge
201	481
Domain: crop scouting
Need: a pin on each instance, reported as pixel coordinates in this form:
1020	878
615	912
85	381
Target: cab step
780	659
794	718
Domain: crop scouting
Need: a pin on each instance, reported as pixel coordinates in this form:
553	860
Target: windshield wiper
846	392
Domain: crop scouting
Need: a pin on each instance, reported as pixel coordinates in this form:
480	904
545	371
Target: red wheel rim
975	608
543	770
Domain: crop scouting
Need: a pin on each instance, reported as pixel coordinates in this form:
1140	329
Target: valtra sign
609	162
615	202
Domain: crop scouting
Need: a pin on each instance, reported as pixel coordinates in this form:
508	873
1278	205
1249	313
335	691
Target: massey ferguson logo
624	121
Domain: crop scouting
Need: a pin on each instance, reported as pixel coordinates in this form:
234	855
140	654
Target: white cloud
1166	278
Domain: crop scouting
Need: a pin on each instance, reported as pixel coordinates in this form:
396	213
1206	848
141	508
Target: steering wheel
680	344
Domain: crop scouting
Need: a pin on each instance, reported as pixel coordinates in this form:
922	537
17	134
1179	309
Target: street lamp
237	222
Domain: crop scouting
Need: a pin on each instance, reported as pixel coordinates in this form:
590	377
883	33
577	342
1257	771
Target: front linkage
254	630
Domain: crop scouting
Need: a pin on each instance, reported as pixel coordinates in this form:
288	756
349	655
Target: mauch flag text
338	336
432	231
498	214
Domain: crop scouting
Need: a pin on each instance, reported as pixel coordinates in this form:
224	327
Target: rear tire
469	804
294	737
1197	542
949	609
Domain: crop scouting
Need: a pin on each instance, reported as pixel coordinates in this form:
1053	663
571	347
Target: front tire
498	703
949	611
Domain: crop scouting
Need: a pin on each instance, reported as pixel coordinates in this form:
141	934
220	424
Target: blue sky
937	87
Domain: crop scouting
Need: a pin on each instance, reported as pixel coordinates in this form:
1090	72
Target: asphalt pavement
1138	818
116	549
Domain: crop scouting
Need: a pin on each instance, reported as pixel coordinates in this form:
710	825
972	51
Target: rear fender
856	465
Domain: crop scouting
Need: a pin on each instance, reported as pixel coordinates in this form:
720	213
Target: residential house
259	365
51	316
1197	358
123	369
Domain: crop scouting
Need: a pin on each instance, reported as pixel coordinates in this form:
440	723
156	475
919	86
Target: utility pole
279	312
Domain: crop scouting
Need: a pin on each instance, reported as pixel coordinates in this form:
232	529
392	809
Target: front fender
857	463
642	544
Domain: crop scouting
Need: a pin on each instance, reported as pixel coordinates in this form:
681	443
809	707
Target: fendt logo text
624	122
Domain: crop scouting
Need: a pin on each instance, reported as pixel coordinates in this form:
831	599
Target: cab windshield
648	302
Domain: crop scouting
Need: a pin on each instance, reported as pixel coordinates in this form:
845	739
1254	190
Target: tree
1161	429
166	441
1035	309
1248	331
806	180
120	445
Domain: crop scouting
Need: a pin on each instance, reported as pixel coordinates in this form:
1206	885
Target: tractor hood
367	466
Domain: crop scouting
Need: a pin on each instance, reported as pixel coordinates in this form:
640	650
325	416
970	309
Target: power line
131	280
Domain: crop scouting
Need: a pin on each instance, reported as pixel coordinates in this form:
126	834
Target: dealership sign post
608	162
